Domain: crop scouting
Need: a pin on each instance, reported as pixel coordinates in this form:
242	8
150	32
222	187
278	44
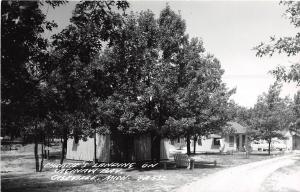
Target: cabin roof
218	136
237	127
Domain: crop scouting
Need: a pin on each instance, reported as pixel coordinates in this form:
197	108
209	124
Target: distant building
293	139
215	143
292	142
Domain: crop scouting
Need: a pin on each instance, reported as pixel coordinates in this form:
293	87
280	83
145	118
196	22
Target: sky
230	30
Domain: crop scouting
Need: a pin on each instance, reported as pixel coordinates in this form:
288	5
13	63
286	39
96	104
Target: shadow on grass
27	183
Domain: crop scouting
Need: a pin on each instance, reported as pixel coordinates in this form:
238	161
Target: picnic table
183	160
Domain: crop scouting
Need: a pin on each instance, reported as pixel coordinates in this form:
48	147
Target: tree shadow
28	183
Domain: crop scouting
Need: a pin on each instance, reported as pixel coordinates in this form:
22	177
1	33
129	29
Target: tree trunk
155	147
95	148
188	144
48	143
195	141
158	148
64	147
42	161
45	147
36	155
269	149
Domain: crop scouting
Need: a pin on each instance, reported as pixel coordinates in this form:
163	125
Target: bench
165	163
182	160
193	163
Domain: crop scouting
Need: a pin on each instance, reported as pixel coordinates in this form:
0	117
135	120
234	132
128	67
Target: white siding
84	150
164	149
207	144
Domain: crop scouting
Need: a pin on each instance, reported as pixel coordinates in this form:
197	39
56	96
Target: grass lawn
17	174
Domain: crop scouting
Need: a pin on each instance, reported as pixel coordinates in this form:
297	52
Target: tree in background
287	45
295	107
271	116
240	114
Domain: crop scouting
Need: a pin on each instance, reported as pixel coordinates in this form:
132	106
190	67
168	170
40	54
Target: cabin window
200	141
217	142
231	141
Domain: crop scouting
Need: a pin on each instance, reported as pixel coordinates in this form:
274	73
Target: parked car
264	146
279	145
258	146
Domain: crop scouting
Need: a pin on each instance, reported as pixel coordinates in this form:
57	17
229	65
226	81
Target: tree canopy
108	72
288	45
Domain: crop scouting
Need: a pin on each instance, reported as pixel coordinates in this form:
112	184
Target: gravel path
245	178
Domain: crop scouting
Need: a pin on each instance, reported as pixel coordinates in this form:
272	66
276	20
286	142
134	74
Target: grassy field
17	174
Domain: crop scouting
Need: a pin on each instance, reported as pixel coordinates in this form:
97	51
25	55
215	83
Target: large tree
23	23
138	81
130	63
78	79
24	59
201	99
157	74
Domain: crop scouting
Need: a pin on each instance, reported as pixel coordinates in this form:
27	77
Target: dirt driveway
252	177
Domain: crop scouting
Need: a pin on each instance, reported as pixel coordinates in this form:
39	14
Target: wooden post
165	165
192	164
